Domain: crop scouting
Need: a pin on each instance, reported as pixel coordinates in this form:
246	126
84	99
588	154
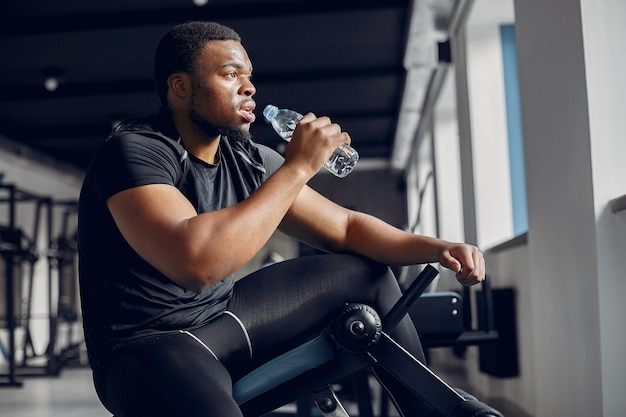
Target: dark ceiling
340	58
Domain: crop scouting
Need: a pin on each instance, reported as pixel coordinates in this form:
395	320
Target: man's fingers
473	269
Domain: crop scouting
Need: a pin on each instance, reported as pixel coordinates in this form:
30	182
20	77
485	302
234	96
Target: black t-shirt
124	297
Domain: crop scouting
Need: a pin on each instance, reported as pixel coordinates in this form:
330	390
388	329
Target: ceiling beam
424	60
39	24
35	92
78	130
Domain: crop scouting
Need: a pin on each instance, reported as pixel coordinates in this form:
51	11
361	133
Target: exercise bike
355	339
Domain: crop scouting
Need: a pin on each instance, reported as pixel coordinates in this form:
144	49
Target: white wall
604	34
37	173
562	244
569	279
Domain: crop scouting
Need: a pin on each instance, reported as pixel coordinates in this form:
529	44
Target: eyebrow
237	65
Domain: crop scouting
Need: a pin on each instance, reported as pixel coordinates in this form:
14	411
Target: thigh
301	293
282	305
167	375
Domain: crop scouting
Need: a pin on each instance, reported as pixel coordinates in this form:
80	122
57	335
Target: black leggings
271	311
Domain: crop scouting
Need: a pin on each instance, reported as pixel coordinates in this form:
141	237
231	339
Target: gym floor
72	395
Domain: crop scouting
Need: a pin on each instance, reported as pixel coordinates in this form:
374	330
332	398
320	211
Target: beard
211	129
235	134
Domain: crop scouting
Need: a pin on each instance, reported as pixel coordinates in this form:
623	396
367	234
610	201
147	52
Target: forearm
323	224
222	241
373	238
380	241
198	250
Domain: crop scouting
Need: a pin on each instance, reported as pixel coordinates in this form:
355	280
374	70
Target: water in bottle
284	122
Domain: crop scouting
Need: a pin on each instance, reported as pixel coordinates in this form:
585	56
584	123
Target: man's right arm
198	250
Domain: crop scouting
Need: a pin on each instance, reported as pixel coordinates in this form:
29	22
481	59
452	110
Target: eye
232	74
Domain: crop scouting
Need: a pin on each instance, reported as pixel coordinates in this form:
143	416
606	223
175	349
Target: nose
247	88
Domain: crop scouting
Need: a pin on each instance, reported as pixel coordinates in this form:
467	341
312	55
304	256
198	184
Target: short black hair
179	48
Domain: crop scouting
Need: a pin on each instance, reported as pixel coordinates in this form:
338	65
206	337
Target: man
174	204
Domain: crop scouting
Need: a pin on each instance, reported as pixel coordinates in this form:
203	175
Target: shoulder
137	154
145	134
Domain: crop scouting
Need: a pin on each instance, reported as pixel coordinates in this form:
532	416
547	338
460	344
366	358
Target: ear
179	84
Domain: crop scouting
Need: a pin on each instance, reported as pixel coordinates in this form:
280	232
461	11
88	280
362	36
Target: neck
198	143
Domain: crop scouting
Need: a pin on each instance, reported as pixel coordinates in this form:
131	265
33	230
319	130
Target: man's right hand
313	142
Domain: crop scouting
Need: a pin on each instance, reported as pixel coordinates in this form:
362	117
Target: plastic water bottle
284	121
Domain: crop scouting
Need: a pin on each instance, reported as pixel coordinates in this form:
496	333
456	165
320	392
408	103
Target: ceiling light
200	3
51	83
52	78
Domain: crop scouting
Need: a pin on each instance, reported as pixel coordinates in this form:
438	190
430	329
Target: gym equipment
19	253
355	339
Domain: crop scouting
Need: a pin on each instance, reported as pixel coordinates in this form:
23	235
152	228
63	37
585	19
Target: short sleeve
131	160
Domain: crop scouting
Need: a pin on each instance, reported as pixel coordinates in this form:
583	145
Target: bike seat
281	369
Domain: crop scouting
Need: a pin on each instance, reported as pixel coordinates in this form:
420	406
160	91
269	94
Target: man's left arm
318	221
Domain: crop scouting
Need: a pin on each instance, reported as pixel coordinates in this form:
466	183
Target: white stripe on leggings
199	341
243	328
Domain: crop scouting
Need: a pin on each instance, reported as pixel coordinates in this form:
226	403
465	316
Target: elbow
198	281
197	274
196	264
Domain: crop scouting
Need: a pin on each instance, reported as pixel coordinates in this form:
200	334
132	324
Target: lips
247	111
